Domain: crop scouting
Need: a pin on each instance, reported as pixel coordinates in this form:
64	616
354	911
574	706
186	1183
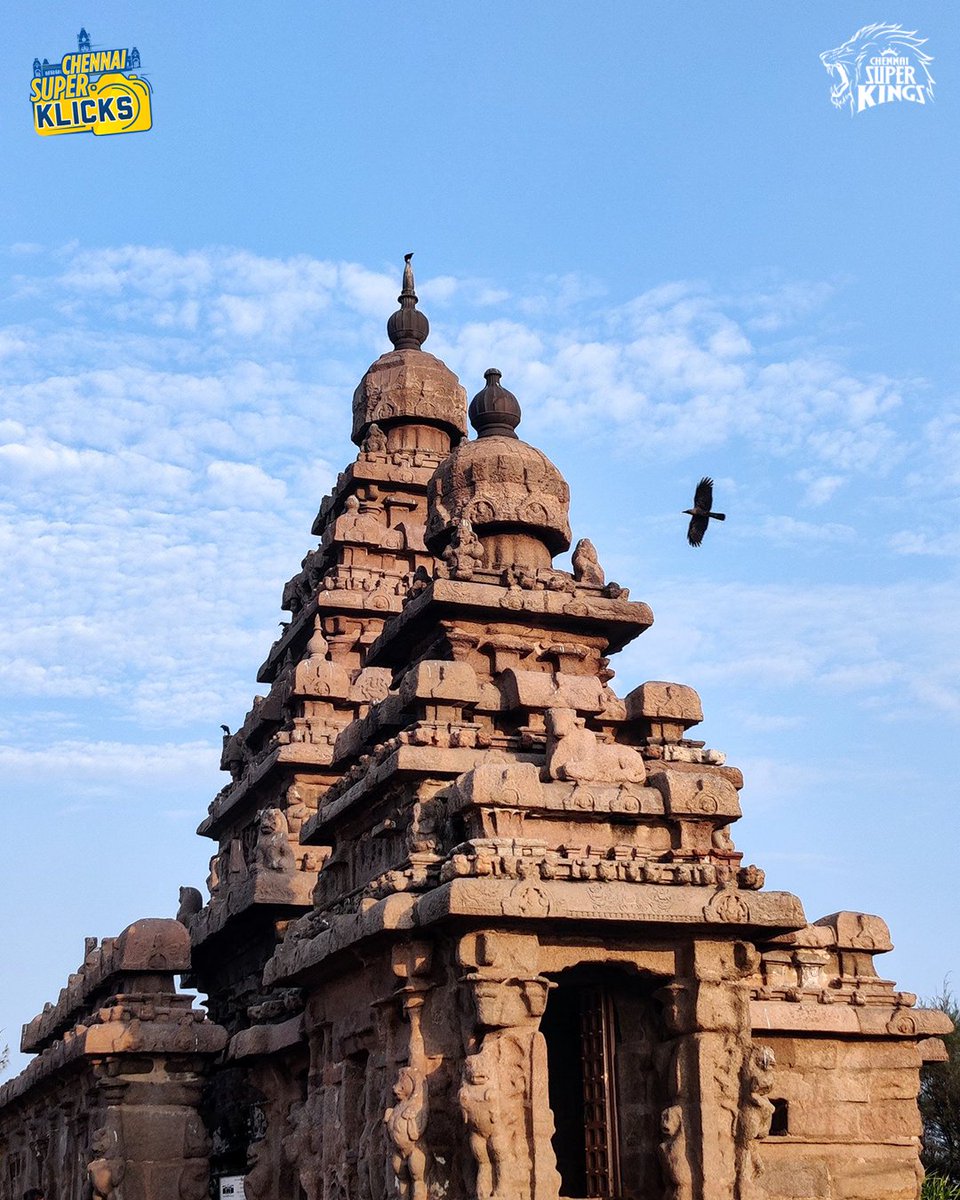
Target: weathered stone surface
113	1096
409	384
539	689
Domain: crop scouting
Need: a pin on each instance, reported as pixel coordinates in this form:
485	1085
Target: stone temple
475	927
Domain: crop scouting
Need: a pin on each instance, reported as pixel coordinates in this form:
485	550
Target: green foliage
940	1107
938	1187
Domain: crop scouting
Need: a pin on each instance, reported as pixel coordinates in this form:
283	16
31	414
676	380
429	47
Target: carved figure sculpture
274	852
755	1117
488	1135
406	1123
260	1172
360	524
586	568
574	754
106	1171
465	552
190	904
213	879
301	1146
376	441
673	1155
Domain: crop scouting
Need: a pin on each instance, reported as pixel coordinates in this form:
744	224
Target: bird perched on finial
700	514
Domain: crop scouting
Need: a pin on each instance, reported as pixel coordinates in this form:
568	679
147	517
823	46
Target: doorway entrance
602	1029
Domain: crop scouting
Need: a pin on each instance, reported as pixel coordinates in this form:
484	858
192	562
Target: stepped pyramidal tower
476	927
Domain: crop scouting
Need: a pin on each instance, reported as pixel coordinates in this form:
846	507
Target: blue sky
684	260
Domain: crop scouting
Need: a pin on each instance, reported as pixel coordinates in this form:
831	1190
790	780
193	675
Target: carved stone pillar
408	1105
503	1096
715	1078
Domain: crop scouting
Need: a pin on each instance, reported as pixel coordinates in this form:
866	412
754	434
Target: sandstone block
673	702
543	689
705	794
455	682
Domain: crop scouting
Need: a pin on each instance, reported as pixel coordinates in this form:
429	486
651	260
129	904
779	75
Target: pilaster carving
756	1114
504	1085
673	1155
406	1122
107	1170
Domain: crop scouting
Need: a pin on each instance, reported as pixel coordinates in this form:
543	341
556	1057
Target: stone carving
406	1124
213	879
410	384
235	861
375	443
673	1155
191	902
107	1170
755	1117
274	852
360	525
464	553
586	568
488	1101
727	905
441	748
302	1145
574	753
499	480
489	1139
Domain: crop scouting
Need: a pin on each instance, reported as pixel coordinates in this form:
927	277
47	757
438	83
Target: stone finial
506	489
494	412
407	328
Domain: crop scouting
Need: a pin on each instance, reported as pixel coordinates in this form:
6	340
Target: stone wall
109	1107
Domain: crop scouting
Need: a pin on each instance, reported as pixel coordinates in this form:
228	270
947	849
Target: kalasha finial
408	328
494	412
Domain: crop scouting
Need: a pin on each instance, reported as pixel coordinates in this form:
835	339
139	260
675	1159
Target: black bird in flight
700	514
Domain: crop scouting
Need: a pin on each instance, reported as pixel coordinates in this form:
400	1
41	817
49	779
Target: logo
90	91
880	64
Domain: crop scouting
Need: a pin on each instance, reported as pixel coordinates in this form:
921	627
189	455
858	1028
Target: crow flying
700	514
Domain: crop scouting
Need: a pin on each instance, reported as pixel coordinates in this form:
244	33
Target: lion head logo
879	63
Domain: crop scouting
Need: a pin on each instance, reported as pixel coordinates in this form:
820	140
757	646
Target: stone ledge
286	889
431	761
874	1020
148	947
618	621
261	1040
192	1033
643	905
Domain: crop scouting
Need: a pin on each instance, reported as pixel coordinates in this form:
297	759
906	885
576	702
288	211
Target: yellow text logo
90	93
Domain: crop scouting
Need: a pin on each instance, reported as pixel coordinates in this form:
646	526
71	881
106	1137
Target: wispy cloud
166	440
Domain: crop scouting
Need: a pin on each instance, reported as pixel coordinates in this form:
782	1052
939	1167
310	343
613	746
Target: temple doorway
602	1030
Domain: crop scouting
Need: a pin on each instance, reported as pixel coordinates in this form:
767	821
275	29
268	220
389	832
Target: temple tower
477	925
409	411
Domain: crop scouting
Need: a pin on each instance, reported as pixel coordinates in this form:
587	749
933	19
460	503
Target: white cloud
167	461
787	530
242	484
